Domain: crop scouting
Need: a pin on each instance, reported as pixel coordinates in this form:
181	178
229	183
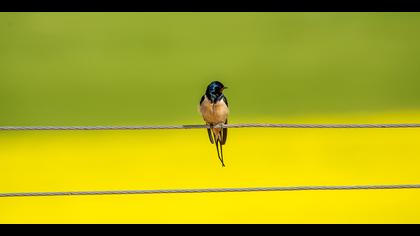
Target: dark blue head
214	91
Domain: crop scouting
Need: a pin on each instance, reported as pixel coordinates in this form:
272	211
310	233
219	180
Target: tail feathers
220	154
218	137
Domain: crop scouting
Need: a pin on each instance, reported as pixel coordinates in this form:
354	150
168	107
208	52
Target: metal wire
146	127
211	190
208	190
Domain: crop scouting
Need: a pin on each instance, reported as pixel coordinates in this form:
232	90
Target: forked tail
220	154
219	143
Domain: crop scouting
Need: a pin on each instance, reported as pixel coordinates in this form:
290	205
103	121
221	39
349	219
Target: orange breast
216	113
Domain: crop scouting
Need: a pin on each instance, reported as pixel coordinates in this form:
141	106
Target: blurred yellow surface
254	157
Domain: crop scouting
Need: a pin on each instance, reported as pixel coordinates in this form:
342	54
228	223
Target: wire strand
150	127
212	190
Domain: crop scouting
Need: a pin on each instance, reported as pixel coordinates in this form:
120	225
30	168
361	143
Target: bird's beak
225	87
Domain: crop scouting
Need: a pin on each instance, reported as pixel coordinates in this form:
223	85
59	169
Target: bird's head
215	90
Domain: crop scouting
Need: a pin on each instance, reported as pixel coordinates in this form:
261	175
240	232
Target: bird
214	109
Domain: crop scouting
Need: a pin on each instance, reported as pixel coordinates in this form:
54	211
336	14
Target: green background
152	68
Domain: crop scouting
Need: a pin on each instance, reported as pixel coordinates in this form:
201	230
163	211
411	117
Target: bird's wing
202	99
224	134
225	130
210	136
225	100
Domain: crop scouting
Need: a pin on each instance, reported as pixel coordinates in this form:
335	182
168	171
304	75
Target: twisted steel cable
211	190
150	127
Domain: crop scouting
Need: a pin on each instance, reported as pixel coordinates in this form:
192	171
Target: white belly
214	113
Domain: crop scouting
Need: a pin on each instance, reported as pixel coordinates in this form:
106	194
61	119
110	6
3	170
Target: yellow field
167	159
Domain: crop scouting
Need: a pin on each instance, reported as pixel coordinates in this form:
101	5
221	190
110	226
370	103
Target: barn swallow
215	111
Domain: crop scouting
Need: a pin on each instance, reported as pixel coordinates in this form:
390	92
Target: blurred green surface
152	68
